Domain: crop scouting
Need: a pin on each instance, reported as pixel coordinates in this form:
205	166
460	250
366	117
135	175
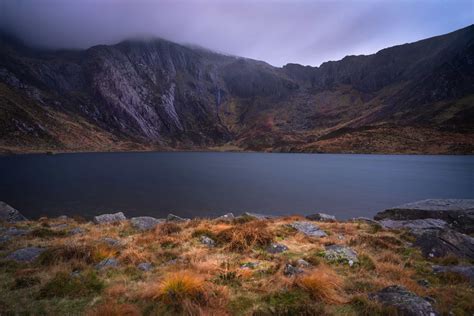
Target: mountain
159	95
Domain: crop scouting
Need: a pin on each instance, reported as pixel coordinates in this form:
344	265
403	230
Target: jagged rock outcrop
458	213
443	242
148	94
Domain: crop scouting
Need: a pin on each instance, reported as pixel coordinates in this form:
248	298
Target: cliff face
157	94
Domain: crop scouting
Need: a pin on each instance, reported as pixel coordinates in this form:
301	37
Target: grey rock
303	263
458	213
225	217
9	214
309	229
145	222
207	241
406	303
259	216
145	266
175	218
338	253
467	271
442	242
77	231
109	218
290	270
321	217
26	254
13	231
250	265
112	242
415	224
63	217
276	248
107	263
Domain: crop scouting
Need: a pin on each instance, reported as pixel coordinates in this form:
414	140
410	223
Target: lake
209	184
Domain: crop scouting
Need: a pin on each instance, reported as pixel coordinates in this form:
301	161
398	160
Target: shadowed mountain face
412	98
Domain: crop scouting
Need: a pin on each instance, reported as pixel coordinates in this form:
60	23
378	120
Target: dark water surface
207	184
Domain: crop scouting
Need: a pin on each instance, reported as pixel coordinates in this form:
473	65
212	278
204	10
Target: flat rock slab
9	214
145	222
458	213
442	242
109	218
26	254
259	216
415	224
338	253
309	229
467	271
406	303
321	217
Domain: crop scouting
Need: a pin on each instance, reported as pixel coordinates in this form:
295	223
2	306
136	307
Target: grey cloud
301	31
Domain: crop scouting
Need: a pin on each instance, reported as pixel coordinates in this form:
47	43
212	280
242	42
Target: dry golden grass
112	308
323	284
244	237
193	279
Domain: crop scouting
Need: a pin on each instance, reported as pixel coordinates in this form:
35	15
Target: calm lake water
208	184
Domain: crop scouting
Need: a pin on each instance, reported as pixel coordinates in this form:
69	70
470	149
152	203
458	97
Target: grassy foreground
238	276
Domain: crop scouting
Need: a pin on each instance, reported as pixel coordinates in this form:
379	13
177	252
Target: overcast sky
308	32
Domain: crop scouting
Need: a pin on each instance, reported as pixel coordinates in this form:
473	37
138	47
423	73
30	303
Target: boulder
458	213
415	224
309	229
405	302
175	218
442	242
26	254
225	217
338	253
321	217
9	214
276	248
109	218
145	222
467	271
290	270
207	241
107	263
145	266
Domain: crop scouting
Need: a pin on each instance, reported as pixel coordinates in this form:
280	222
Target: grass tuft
246	236
323	285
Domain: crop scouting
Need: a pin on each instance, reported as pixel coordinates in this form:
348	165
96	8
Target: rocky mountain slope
158	95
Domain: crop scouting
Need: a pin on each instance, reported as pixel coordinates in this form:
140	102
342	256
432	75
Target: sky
307	32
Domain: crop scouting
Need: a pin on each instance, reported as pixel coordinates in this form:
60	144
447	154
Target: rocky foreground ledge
416	259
